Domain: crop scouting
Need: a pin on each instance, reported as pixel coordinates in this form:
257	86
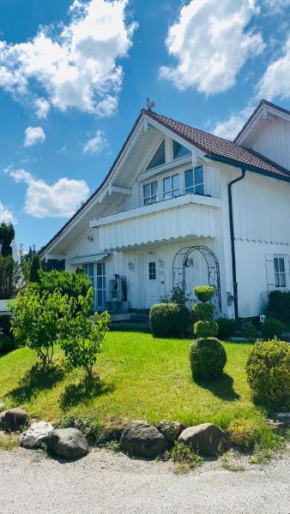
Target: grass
140	378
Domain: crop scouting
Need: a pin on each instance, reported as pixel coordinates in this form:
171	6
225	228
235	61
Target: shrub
268	371
5	325
249	330
207	358
205	329
178	295
7	344
204	293
226	328
169	319
9	277
72	283
203	311
279	305
243	432
271	328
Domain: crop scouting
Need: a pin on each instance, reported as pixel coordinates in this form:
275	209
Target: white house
182	207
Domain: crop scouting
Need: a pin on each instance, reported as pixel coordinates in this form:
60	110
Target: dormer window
179	150
159	157
194	181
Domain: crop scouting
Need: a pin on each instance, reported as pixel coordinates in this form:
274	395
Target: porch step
140	316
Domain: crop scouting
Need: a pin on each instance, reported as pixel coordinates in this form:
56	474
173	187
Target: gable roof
216	148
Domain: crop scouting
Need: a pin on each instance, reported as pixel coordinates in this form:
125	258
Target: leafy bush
268	371
279	305
7	344
226	328
205	329
5	324
169	319
9	277
178	295
72	283
204	293
207	358
243	432
203	311
184	457
249	330
271	328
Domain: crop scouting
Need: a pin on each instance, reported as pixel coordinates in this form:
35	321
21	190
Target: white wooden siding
274	142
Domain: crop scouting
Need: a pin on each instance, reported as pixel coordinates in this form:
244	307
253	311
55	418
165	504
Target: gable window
171	187
179	150
158	158
194	181
280	273
150	193
152	270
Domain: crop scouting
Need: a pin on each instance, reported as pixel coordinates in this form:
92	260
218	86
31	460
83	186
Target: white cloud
6	216
97	144
76	65
59	200
276	6
229	128
42	107
33	136
276	80
211	43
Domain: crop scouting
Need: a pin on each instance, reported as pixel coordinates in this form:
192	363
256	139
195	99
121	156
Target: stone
170	429
36	435
68	442
206	439
278	427
141	439
13	420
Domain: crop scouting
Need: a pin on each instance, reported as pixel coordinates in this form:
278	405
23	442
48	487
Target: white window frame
279	274
152	270
195	185
172	190
153	198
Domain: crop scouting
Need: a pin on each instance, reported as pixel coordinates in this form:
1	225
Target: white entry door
152	294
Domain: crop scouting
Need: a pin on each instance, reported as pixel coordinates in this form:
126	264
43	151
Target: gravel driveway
107	483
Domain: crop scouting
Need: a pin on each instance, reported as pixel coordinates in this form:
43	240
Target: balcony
177	218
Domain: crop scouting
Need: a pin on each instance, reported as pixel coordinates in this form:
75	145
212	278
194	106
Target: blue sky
74	75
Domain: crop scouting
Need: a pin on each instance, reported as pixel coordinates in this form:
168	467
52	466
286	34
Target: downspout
232	236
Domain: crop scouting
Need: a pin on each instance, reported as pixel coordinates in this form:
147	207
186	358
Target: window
90	272
101	285
158	158
194	181
280	273
179	150
150	193
171	187
152	270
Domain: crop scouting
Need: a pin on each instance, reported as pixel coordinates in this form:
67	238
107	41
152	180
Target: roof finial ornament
149	105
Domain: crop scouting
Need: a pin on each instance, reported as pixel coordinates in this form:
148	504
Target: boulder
143	440
67	442
13	419
36	435
170	429
206	439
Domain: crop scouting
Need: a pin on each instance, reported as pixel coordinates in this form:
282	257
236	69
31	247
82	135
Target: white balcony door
152	293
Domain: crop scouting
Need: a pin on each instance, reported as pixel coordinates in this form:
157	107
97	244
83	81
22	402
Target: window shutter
270	274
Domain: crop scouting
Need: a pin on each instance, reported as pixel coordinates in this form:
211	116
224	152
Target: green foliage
72	283
35	320
34	269
5	324
207	358
7	234
243	432
226	328
205	329
91	429
184	457
9	277
203	311
271	328
204	293
169	319
7	344
279	305
249	330
81	338
179	296
268	372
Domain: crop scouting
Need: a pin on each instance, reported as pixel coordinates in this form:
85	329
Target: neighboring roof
261	104
213	146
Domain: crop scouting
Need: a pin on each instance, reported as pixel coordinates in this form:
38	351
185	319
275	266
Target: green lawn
140	378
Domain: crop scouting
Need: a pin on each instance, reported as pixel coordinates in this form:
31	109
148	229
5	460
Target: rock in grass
13	419
36	435
67	442
206	439
143	440
170	429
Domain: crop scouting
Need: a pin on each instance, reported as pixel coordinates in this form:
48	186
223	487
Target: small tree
7	234
35	321
10	274
34	269
81	337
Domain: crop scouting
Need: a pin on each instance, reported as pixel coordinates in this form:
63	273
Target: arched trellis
181	262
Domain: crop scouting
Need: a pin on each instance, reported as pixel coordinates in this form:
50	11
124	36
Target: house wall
274	142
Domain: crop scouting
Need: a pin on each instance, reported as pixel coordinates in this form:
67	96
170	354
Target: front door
151	280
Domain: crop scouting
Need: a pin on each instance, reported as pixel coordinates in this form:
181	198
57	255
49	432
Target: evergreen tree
7	234
34	269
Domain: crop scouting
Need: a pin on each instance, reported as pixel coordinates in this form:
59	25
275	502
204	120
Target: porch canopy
84	259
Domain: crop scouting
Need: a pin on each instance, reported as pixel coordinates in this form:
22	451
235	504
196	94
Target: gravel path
107	483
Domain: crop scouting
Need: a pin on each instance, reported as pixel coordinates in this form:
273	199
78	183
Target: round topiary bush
169	319
272	328
203	311
205	329
268	371
207	358
204	293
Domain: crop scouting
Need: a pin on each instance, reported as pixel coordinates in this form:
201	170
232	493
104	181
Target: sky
74	75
